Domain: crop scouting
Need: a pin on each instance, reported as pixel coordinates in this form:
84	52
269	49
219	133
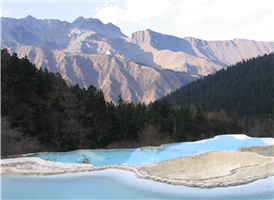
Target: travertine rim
37	166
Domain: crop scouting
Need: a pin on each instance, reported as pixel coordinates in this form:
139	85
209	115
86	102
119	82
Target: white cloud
206	19
105	4
143	23
137	11
187	12
265	23
109	14
264	36
6	13
236	10
184	11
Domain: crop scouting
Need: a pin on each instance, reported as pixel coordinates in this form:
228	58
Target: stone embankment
208	170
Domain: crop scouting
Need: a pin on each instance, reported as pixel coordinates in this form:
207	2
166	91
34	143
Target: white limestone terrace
208	170
222	161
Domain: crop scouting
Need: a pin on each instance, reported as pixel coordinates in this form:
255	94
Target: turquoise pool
119	184
150	155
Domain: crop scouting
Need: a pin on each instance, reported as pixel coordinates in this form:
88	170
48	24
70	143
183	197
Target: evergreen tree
245	88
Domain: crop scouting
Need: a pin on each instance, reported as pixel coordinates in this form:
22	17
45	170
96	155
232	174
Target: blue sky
204	19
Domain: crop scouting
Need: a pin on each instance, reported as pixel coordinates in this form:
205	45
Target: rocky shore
208	170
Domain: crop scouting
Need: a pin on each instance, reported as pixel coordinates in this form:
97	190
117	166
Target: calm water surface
150	155
118	184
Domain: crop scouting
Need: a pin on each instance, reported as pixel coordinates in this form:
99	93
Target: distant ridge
91	36
87	37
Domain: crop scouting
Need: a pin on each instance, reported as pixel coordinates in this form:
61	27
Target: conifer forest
40	111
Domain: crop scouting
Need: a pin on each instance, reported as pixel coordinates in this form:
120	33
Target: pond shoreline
237	174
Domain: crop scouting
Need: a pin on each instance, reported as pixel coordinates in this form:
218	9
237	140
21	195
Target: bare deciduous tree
14	142
152	136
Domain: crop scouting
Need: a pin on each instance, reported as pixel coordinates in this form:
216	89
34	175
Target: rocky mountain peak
139	36
150	48
29	17
95	25
78	20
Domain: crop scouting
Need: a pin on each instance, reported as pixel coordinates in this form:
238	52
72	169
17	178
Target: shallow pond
150	155
118	184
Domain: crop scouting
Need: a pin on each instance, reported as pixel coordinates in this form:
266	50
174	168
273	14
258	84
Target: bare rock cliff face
193	55
113	75
52	34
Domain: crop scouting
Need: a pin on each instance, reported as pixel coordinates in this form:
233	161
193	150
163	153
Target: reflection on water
150	150
150	155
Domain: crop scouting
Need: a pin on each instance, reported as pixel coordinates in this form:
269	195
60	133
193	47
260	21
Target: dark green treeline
53	116
245	88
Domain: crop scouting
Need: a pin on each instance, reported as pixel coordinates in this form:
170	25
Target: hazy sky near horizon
204	19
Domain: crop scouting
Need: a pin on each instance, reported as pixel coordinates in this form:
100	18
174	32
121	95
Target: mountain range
143	66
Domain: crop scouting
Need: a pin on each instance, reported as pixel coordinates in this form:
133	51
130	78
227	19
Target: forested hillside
245	88
41	112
